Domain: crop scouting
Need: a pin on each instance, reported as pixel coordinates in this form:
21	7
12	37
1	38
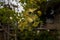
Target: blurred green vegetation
37	35
33	11
29	19
7	16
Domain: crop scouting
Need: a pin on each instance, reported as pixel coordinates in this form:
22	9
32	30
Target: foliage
36	35
7	16
31	17
1	3
32	3
33	9
27	20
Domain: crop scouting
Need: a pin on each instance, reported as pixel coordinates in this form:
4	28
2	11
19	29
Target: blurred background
29	19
